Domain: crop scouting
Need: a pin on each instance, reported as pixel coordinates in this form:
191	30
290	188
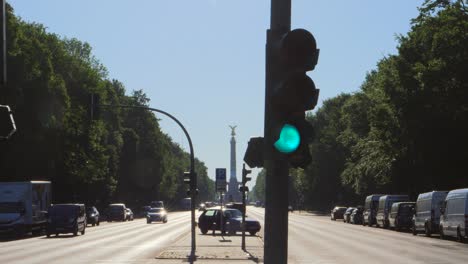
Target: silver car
156	215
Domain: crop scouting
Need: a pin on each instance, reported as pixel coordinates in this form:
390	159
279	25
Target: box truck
23	206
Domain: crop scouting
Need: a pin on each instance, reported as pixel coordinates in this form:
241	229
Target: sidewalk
215	249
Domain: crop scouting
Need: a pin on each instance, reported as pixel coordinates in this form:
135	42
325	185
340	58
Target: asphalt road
317	239
115	242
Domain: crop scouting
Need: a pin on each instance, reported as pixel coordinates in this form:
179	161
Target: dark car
66	218
156	215
116	212
357	216
232	219
92	216
337	212
347	214
128	214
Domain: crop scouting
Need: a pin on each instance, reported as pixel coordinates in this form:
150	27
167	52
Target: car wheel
83	232
415	232
148	221
441	232
165	221
108	221
204	231
93	224
427	231
48	234
460	238
56	234
75	233
97	223
252	233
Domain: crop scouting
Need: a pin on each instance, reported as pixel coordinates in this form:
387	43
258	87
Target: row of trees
123	156
405	130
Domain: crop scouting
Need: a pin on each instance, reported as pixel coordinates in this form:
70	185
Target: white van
385	204
370	209
427	212
454	218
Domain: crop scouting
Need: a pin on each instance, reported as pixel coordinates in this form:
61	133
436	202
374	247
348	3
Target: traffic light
254	154
295	53
7	122
94	109
191	180
244	189
245	172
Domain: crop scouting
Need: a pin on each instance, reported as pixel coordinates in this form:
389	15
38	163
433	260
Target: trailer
23	206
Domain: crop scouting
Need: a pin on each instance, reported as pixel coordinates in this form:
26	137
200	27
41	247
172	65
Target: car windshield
90	210
232	213
406	209
63	210
115	208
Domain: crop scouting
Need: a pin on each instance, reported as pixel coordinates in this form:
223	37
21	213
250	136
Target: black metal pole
3	51
243	215
277	169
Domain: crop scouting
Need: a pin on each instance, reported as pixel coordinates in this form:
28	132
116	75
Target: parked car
128	214
347	214
427	212
454	218
385	204
156	215
370	209
401	215
337	212
92	216
66	218
356	216
231	219
116	212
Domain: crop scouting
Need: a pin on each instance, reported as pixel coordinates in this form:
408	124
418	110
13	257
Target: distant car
116	212
231	219
370	209
290	208
337	212
66	218
156	215
92	216
401	215
357	216
347	214
128	214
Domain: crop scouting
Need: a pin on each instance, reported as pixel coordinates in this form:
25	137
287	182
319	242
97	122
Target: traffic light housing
254	154
191	180
7	122
293	93
245	172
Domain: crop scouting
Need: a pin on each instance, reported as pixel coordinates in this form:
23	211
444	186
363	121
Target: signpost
221	180
221	188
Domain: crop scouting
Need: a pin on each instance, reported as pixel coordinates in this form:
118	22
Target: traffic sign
221	179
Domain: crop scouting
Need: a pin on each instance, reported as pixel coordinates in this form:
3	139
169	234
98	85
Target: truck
23	206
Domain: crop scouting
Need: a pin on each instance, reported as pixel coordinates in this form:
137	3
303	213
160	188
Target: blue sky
204	61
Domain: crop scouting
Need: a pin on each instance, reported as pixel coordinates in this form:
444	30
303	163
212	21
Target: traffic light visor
289	139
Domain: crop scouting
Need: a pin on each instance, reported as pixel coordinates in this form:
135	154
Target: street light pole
193	186
277	168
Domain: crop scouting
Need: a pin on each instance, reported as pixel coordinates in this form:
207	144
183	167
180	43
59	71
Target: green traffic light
289	139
